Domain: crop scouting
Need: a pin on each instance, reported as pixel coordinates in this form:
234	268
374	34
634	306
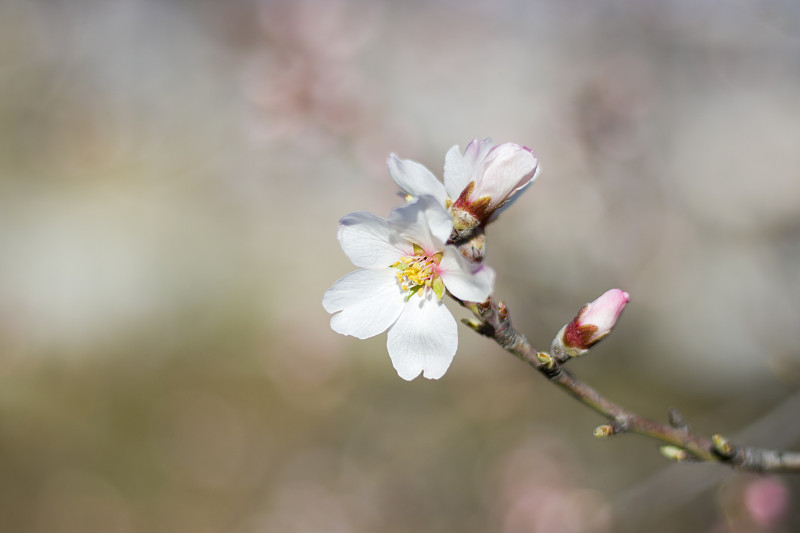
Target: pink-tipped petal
509	167
604	311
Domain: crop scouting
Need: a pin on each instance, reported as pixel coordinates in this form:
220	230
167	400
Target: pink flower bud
593	322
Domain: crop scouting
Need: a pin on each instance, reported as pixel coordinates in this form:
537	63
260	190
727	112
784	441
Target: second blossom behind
478	183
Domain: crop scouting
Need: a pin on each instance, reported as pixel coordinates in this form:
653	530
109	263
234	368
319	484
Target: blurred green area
171	174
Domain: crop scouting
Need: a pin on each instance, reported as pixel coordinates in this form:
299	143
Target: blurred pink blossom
767	501
305	79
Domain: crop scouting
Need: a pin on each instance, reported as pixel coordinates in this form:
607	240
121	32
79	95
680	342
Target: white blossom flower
478	183
405	269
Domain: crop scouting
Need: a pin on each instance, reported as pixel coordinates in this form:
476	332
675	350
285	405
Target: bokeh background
171	175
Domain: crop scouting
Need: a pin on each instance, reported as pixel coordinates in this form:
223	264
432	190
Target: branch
680	443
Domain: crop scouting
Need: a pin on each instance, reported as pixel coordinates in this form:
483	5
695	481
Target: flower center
418	271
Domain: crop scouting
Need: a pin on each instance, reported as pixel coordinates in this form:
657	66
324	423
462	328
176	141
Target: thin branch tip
678	442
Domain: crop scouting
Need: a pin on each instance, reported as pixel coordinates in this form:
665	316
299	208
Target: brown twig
679	442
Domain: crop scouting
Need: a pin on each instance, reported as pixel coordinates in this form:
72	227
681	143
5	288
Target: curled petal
466	281
515	194
509	168
423	339
366	302
414	179
369	241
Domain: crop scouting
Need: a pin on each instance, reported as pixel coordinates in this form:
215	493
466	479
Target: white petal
460	169
366	302
424	338
369	241
424	222
509	167
415	179
466	281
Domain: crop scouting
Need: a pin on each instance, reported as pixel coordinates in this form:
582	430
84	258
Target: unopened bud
674	453
546	359
479	326
472	323
722	446
472	248
606	430
593	322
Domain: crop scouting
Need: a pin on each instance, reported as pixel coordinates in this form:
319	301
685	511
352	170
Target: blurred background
171	176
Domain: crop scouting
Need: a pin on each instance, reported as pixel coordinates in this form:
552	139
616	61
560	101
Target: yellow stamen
418	271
